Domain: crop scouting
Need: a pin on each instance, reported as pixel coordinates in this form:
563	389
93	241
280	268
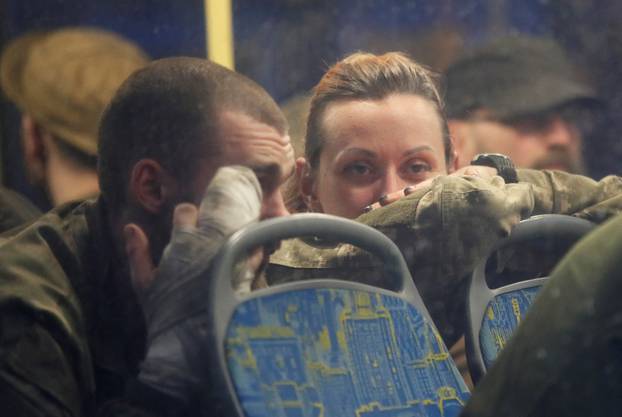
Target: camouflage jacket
443	230
71	332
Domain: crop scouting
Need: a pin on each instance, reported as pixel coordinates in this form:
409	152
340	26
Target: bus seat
327	347
534	246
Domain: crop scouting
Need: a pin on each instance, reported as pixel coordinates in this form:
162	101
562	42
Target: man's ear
464	148
150	186
34	148
307	184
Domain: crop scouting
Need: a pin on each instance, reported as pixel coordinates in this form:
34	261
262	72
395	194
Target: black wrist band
504	166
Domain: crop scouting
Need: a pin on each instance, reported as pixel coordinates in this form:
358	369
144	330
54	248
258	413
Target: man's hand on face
173	294
470	170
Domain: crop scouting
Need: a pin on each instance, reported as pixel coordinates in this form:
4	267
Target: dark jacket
15	210
71	332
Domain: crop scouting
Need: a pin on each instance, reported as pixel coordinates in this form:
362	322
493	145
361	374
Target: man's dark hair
168	111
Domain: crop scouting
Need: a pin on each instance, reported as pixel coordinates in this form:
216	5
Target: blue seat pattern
503	314
339	352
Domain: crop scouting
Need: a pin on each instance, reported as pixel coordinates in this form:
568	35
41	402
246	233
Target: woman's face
373	148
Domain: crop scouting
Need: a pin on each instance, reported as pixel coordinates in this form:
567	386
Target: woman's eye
418	168
358	169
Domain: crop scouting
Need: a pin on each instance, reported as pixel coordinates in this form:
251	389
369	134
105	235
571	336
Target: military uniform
71	332
445	229
566	356
15	210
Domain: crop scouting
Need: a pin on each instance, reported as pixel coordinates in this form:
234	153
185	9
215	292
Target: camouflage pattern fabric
565	358
444	230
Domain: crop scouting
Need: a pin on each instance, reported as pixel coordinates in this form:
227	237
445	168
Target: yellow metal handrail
219	32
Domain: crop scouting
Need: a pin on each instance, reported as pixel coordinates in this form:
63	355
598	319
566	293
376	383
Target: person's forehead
396	117
236	122
246	141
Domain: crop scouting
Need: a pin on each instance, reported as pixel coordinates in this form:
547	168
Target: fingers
387	199
141	265
137	250
185	216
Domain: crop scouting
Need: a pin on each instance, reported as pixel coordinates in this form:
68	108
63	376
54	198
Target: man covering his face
97	317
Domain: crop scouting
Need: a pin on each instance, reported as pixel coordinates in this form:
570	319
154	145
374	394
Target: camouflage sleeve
563	193
452	224
454	221
444	229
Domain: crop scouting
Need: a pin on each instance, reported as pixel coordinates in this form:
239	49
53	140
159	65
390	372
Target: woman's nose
391	182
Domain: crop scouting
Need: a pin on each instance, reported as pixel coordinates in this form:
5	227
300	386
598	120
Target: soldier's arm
460	216
445	229
456	219
563	193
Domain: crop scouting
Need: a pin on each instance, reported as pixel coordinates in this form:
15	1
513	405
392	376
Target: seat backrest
494	313
327	347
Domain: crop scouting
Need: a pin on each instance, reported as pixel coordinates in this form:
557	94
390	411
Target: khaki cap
65	78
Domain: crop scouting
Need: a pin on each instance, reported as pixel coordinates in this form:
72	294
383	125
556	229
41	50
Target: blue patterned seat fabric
339	353
502	316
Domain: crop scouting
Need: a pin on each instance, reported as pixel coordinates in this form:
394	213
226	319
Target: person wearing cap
519	96
61	81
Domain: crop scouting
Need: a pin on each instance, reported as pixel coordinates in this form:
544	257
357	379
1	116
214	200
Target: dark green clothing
15	210
443	230
565	358
71	331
